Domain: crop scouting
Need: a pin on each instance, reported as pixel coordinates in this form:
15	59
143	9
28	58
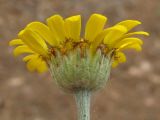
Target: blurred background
133	91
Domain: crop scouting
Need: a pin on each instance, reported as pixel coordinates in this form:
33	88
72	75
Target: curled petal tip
147	34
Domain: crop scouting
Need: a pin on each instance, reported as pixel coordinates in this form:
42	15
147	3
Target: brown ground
133	92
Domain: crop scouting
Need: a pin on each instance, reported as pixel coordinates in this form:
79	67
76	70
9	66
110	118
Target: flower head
41	41
57	41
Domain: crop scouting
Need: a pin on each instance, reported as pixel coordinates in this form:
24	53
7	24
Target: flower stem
83	104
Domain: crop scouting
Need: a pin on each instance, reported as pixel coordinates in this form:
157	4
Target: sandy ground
133	92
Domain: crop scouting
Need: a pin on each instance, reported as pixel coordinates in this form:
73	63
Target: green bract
74	72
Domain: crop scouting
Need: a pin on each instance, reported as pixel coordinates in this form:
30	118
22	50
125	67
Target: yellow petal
94	26
105	32
42	66
135	33
56	25
114	35
34	41
128	40
119	57
44	32
28	57
131	45
16	42
94	45
32	64
115	64
99	38
22	49
36	63
73	28
136	47
129	24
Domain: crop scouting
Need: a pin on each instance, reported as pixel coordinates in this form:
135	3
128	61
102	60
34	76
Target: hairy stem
83	104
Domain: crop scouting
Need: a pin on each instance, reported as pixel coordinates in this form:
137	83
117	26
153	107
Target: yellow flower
41	41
